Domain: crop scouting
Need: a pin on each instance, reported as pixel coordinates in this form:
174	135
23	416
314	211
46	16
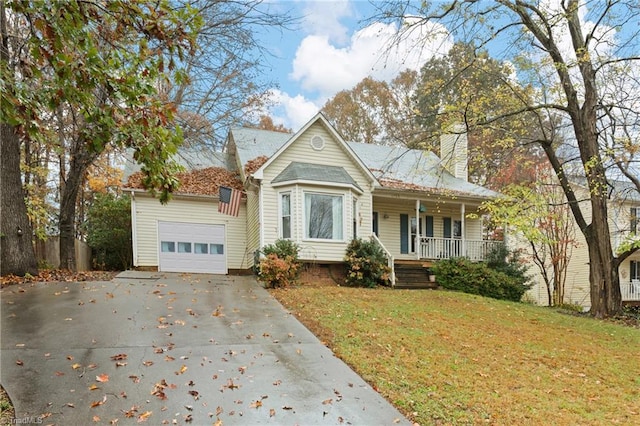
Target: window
216	249
184	247
355	218
374	224
323	216
285	215
168	247
201	248
457	229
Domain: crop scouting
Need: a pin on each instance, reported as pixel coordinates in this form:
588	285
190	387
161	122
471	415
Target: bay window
324	215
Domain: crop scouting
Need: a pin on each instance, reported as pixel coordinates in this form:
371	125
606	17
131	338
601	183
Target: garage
191	247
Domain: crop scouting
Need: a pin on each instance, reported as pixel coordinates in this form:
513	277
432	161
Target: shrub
282	248
366	264
478	278
281	265
277	272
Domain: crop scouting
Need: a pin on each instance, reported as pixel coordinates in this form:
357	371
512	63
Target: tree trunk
606	299
16	246
80	161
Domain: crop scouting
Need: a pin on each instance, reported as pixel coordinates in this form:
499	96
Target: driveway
172	349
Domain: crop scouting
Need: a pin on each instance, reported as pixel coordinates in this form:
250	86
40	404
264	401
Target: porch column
462	230
418	248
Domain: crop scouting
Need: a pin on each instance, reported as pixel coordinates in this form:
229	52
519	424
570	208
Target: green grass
452	358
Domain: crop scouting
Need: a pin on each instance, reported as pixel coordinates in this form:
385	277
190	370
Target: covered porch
417	232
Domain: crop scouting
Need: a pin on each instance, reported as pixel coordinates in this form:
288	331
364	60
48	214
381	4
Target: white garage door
191	247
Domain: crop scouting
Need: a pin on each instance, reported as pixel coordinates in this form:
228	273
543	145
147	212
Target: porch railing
630	291
390	263
446	248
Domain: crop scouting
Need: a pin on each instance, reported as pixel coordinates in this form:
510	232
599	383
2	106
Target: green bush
366	264
281	265
282	248
108	228
478	278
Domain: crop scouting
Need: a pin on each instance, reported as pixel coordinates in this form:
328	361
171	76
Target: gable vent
317	143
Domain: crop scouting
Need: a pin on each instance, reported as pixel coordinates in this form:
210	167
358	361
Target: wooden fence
49	252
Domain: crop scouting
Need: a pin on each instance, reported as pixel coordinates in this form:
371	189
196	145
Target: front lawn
452	358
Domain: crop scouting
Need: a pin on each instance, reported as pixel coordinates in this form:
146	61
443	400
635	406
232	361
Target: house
318	190
624	222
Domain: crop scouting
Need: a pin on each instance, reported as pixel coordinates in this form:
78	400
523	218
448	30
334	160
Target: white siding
333	154
188	210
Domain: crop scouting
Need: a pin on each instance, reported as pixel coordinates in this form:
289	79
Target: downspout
417	242
134	229
261	215
463	233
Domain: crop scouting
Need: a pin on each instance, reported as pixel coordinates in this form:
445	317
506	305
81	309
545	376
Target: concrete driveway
172	349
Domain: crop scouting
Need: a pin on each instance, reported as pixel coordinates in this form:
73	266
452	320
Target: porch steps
413	275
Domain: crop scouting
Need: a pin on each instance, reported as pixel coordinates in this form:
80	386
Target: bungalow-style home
316	189
624	222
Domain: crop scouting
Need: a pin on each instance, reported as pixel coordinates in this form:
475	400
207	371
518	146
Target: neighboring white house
624	220
318	190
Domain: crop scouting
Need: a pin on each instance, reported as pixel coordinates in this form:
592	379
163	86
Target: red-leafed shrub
278	272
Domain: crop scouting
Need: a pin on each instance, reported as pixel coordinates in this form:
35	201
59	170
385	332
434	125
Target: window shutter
375	223
429	225
404	233
634	220
446	224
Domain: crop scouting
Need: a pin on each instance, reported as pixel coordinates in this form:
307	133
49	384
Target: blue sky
331	49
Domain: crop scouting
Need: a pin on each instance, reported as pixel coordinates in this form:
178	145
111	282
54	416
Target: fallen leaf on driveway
256	404
102	378
76	366
144	416
97	403
19	362
96	419
119	357
182	369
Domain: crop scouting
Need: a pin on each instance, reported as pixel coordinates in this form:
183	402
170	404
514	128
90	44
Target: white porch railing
630	291
390	263
446	248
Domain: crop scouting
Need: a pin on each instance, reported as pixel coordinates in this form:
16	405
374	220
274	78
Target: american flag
229	201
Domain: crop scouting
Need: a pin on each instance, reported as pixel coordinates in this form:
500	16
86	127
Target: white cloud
330	59
319	66
292	111
323	17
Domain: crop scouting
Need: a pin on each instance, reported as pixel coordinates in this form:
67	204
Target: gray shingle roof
410	166
253	143
315	172
189	158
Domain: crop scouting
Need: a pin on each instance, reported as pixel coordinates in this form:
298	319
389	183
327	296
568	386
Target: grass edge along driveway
452	358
